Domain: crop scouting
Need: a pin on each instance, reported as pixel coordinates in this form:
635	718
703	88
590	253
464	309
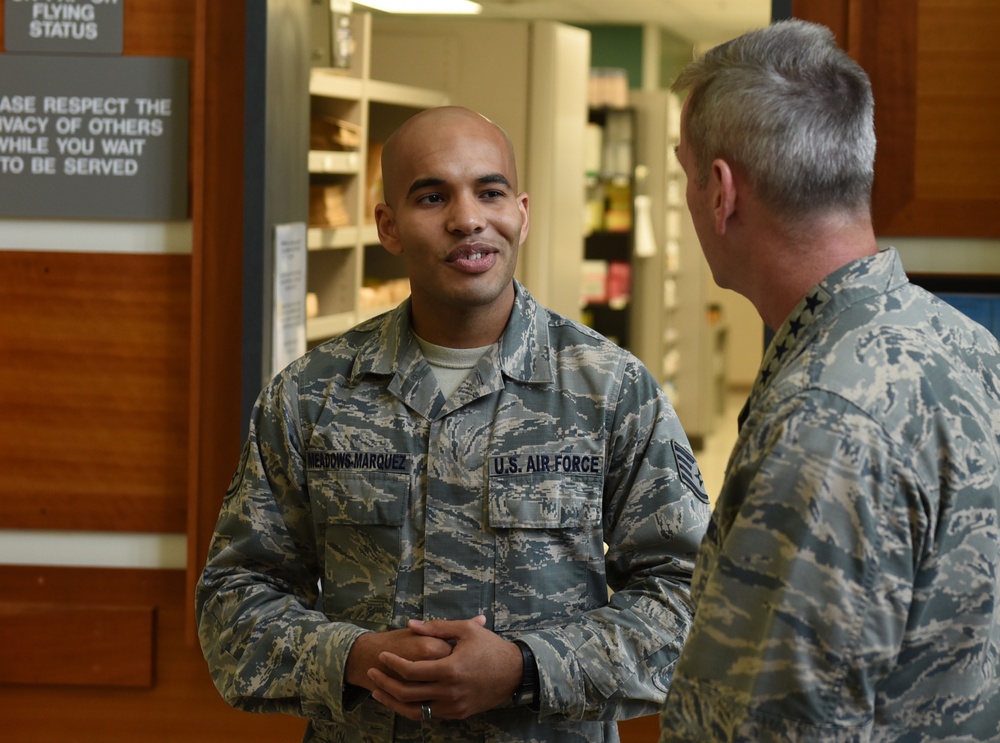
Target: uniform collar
855	282
524	351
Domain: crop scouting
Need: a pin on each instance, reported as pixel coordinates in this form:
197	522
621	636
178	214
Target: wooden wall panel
120	385
834	14
95	429
159	28
888	52
958	103
83	645
640	729
214	434
93	387
183	705
934	71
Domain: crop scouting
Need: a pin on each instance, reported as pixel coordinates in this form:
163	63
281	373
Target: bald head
437	130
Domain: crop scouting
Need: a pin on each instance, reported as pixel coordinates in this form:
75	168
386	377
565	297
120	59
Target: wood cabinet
934	71
350	276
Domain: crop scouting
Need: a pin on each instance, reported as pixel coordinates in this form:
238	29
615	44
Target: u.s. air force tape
559	462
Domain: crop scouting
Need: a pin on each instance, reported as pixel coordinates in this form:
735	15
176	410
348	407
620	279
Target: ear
385	222
522	204
724	198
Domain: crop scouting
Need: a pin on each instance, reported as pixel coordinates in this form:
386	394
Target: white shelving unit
538	95
344	257
674	332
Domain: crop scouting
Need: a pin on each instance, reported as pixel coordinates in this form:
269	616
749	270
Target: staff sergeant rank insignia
690	474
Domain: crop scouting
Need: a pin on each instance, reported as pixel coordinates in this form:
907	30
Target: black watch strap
527	693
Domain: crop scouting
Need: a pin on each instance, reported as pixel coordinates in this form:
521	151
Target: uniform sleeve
616	661
268	648
803	587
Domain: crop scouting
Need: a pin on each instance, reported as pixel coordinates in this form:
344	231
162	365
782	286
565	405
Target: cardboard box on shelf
326	206
330	133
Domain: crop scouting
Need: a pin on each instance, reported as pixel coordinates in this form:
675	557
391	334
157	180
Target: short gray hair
788	108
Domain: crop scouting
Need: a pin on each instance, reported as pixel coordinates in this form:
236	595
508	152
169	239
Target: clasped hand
467	671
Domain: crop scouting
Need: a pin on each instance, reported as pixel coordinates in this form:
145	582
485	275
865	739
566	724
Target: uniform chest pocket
365	516
550	548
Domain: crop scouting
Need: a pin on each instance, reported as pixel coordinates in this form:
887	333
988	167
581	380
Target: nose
465	215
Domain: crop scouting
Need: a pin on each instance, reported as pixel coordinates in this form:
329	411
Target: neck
462	326
796	259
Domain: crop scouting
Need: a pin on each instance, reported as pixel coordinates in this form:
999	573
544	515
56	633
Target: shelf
608	246
327	326
403	95
369	235
370	312
351	116
337	163
332	84
331	238
672	334
341	238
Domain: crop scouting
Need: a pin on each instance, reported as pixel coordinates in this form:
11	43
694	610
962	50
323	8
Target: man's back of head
787	107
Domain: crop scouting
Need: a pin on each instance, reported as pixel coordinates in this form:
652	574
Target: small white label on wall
289	318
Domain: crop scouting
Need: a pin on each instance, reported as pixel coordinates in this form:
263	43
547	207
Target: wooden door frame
217	199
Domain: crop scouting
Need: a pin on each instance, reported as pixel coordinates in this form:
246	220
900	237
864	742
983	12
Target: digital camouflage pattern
364	498
848	587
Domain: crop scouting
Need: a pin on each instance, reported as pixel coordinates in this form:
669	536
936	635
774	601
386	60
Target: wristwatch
526	694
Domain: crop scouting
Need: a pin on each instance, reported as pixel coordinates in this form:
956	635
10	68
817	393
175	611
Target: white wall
946	255
744	336
920	255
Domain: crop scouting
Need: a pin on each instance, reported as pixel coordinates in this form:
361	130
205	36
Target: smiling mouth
469	254
473	260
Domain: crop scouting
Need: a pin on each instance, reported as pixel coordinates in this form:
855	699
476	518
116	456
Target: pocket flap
544	503
369	499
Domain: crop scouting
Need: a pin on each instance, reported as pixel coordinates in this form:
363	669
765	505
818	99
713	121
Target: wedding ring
425	708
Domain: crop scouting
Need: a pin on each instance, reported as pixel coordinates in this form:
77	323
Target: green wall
618	46
621	46
675	53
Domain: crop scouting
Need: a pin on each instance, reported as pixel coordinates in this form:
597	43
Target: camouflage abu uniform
848	586
358	475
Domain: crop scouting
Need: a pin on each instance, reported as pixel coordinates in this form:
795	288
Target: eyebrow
483	180
494	178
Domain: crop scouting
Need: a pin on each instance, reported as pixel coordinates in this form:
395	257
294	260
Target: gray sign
64	26
94	137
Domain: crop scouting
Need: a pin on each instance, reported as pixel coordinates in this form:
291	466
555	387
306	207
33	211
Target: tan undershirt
451	365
